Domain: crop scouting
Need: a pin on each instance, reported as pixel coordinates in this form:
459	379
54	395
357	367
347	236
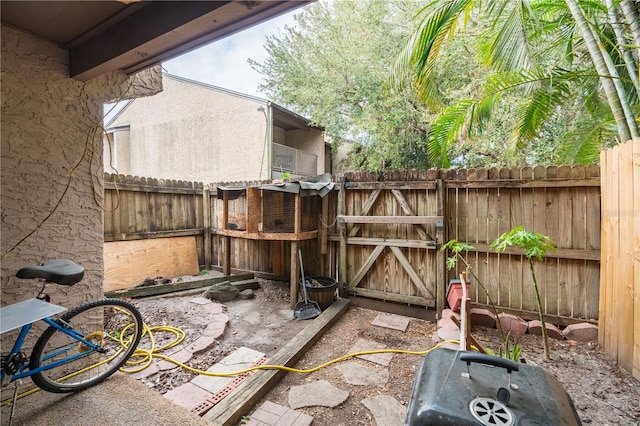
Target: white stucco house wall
198	132
51	188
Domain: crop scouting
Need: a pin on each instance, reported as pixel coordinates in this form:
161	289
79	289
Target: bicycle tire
114	322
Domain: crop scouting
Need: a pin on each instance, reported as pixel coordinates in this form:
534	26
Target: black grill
464	388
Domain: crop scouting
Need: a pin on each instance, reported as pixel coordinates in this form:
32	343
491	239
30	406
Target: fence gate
389	233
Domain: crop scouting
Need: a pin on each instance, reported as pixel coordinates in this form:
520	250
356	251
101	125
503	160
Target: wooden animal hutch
275	212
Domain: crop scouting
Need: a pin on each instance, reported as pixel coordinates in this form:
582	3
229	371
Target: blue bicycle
81	347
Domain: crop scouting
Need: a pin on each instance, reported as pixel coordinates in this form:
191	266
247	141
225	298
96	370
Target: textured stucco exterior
197	132
51	170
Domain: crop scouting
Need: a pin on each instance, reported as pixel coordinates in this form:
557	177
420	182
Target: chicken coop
285	212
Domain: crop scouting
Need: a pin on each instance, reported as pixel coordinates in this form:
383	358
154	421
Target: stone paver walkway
203	392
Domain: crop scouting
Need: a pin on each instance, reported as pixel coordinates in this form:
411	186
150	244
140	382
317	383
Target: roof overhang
102	36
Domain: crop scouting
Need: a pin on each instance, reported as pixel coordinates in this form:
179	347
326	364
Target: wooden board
128	263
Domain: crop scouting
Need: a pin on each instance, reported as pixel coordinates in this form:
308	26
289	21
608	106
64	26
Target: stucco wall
51	129
192	133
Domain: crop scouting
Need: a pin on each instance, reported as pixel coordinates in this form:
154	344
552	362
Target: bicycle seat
59	271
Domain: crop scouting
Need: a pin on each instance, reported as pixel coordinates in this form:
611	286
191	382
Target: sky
224	62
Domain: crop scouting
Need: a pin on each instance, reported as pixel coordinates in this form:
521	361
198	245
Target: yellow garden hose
142	358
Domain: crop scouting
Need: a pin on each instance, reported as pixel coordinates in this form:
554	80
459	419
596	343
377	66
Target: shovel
307	309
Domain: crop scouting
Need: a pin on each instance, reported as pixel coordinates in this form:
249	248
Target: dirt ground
602	392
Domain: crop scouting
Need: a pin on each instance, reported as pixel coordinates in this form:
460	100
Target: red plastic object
454	294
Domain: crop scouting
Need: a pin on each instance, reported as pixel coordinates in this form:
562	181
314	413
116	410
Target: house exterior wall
116	152
50	131
310	140
190	132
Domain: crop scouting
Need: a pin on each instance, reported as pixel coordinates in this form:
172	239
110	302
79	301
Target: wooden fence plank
128	263
623	285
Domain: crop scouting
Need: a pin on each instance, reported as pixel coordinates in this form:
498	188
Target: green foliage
512	350
333	67
456	248
540	68
535	245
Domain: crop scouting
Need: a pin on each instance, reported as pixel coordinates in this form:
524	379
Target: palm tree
557	54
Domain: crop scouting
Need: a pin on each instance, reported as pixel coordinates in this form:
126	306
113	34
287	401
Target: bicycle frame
24	331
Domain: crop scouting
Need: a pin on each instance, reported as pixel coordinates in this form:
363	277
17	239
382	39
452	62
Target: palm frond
425	44
446	128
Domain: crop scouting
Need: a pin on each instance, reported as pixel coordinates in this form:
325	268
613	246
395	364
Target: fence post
206	219
342	229
441	274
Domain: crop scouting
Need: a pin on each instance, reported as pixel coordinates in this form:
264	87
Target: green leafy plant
457	248
244	420
535	247
286	175
511	352
204	272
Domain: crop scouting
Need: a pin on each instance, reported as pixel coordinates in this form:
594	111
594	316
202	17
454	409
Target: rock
582	332
513	324
247	294
482	318
535	327
243	285
222	292
361	375
320	392
444	334
447	323
448	313
385	409
154	281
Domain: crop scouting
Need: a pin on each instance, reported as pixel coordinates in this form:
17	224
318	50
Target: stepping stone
216	328
318	393
363	345
241	359
394	322
200	301
201	344
361	375
149	371
277	415
213	308
385	409
187	395
181	355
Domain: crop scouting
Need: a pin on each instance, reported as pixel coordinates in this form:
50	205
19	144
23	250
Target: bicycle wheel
114	324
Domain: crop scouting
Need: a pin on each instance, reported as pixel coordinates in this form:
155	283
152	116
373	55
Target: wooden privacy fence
619	325
379	235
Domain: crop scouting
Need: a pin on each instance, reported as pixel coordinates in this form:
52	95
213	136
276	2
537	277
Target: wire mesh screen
278	211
